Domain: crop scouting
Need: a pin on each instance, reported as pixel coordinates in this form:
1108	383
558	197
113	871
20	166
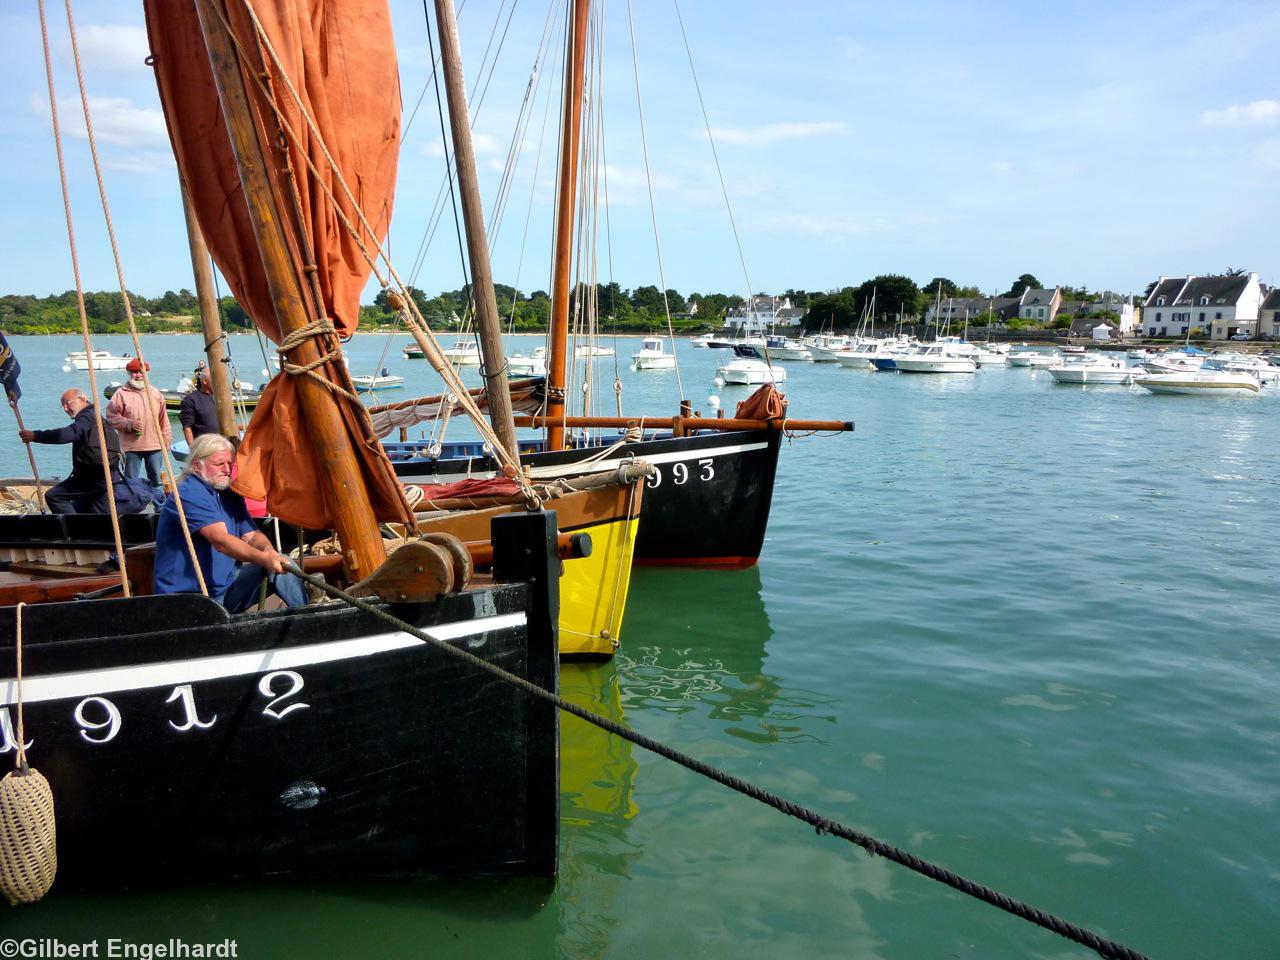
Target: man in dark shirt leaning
198	413
85	490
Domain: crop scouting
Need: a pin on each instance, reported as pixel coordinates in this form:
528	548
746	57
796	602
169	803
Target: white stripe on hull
595	466
65	686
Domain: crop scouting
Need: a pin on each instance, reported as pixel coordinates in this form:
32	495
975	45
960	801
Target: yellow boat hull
593	590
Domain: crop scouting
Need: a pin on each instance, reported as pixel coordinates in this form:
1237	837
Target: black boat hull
185	746
708	505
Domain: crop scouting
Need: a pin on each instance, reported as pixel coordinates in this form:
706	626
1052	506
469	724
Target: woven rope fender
28	837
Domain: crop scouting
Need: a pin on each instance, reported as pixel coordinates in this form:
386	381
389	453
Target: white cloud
1255	114
771	133
114	49
116	120
136	137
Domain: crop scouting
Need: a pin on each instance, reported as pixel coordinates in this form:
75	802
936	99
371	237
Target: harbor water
1022	630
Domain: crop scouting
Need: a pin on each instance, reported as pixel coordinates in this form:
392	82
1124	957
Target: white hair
202	448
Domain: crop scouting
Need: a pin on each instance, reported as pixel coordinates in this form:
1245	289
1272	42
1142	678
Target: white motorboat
750	368
1248	363
703	341
102	360
826	347
591	350
463	354
991	358
1030	357
862	353
652	355
935	358
518	365
1093	368
784	348
367	383
1204	383
1175	361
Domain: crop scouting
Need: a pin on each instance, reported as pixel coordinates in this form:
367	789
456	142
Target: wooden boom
682	425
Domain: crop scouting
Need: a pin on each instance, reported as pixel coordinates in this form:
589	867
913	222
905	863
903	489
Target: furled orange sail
340	58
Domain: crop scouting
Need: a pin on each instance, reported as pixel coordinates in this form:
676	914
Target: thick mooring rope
1109	949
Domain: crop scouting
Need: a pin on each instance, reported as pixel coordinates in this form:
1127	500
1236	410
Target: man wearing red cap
139	416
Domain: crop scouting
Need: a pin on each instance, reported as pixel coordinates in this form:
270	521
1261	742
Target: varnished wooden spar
210	320
346	493
566	199
486	304
683	425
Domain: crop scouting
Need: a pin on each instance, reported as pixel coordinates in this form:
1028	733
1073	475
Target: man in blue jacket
234	554
85	490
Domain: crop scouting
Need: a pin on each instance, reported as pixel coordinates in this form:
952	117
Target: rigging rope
1109	949
653	210
84	317
148	398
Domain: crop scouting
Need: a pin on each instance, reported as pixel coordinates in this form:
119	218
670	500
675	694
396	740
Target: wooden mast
495	362
347	495
211	320
566	198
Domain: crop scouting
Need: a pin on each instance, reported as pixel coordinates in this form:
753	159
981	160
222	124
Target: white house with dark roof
1040	305
1269	315
762	313
1218	306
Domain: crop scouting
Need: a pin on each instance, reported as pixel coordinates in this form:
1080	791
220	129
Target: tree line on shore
642	309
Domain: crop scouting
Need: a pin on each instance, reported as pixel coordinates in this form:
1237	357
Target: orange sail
340	58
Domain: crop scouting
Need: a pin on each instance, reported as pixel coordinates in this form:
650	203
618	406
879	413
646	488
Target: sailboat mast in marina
708	504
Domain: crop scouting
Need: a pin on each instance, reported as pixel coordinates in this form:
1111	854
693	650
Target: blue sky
1087	143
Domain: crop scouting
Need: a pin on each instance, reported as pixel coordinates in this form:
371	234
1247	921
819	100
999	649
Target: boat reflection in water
705	648
691	674
679	653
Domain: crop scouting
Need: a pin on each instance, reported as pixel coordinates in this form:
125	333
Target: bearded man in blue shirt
234	554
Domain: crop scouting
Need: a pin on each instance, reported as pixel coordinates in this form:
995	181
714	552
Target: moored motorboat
652	355
463	353
368	383
1203	382
102	360
1030	357
826	347
934	358
534	365
749	368
784	348
1093	368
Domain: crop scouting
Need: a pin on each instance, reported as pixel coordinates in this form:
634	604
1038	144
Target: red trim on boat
729	563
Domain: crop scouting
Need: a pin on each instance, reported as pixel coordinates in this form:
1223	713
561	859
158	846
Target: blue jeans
135	460
244	590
